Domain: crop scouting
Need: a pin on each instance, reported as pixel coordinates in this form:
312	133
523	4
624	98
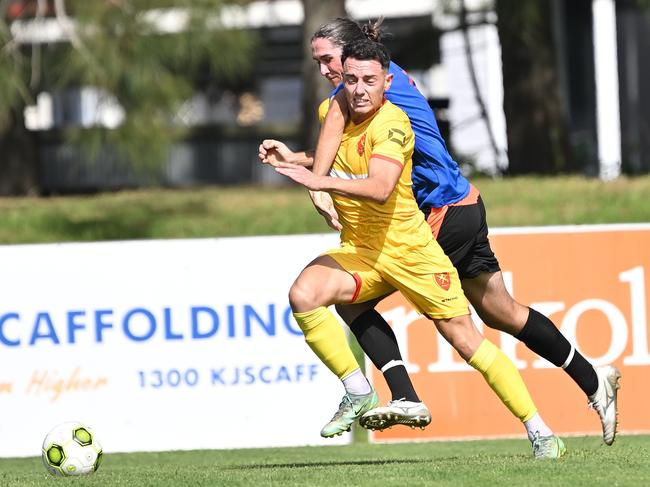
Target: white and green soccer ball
71	449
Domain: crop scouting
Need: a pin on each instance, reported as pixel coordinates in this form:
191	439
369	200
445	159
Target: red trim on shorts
357	279
437	215
389	159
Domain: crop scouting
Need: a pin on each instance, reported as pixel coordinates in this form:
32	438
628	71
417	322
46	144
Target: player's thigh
427	279
361	264
494	304
322	283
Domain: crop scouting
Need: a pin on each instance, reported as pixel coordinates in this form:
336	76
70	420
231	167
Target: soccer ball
71	449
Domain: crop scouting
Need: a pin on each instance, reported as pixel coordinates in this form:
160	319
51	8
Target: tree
537	128
315	89
147	55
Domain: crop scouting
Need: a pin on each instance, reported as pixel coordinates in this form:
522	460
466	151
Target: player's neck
360	118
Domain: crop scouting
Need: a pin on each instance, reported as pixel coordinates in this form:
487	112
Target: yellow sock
504	379
325	336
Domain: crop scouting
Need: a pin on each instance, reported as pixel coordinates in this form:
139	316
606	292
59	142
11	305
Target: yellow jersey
397	225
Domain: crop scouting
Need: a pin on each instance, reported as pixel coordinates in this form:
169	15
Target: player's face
328	58
365	83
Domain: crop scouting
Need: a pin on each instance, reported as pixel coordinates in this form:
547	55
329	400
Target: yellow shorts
425	277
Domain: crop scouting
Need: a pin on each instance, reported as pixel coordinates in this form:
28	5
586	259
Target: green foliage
461	463
124	49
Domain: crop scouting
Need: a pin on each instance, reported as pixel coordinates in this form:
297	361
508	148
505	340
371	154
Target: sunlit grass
473	463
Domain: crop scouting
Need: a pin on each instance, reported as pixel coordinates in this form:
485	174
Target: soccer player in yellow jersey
385	246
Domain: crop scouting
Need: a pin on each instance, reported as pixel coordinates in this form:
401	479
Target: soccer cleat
351	408
604	401
408	413
547	447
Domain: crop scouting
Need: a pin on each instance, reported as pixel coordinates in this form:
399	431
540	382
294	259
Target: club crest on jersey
361	145
443	280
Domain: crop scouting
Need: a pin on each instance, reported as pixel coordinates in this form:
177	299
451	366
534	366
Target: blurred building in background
602	65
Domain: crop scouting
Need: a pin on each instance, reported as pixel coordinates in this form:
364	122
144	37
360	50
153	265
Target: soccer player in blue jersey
456	214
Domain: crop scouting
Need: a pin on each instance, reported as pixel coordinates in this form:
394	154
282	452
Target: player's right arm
274	152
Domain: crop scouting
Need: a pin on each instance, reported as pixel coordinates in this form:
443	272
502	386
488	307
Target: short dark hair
367	50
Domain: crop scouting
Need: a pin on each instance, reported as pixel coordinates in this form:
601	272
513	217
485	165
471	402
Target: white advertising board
160	345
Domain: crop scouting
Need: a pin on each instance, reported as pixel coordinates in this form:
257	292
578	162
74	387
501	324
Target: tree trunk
536	122
315	87
19	160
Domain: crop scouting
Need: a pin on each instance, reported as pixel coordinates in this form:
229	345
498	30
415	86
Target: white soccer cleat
408	413
604	400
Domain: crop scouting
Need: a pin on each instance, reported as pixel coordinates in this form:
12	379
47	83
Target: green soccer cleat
352	407
604	401
408	413
548	447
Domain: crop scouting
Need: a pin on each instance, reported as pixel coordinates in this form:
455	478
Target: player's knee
303	296
465	347
461	334
508	316
461	342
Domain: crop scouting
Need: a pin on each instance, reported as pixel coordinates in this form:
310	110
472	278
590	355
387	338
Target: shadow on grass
328	464
131	220
111	227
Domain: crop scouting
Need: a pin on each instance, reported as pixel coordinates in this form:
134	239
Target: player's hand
324	205
300	175
274	152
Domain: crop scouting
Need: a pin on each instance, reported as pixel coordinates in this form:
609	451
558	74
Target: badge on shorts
442	279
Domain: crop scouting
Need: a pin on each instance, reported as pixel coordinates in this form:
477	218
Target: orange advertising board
593	282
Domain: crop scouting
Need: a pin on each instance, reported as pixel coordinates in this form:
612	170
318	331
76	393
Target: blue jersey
437	180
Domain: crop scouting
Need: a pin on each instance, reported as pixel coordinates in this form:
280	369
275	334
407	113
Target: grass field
219	212
475	463
236	211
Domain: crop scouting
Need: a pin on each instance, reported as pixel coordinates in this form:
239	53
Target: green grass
477	463
561	201
239	211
